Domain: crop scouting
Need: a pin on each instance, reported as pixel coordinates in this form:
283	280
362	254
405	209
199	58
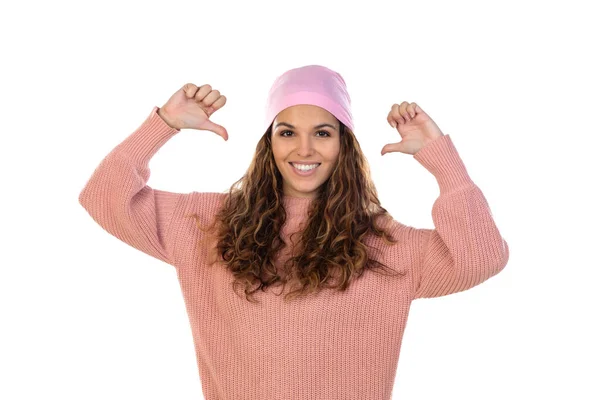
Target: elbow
496	259
81	198
84	197
479	272
503	253
90	200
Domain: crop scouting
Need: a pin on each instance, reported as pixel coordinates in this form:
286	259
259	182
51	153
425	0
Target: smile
304	170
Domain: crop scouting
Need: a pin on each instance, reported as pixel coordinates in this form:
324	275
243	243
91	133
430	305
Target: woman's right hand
191	107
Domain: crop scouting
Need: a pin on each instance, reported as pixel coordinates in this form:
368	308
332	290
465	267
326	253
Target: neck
296	206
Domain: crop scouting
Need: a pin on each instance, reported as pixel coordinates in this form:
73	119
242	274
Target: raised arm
465	248
117	195
117	198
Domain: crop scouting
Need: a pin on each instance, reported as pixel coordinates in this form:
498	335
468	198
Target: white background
514	83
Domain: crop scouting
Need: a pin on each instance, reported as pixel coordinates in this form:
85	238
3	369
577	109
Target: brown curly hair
247	227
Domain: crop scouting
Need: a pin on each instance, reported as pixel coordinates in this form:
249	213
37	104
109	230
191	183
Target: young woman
304	221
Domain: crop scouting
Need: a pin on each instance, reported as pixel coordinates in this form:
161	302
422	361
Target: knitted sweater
329	346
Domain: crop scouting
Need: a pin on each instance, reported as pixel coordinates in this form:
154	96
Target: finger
396	114
190	90
202	92
412	109
392	147
211	97
391	121
419	110
220	102
404	112
216	128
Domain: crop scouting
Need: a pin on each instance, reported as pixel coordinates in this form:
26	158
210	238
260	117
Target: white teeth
302	167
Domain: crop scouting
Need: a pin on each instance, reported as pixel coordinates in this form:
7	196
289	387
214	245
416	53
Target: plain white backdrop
514	83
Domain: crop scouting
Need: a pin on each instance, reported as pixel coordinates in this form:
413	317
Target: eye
283	133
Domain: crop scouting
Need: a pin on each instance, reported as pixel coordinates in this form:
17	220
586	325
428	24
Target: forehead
305	114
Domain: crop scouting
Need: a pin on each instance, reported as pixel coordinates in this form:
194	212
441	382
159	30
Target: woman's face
305	135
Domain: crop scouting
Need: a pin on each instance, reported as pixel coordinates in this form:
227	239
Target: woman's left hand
415	127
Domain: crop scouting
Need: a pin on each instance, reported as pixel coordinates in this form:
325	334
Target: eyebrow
293	127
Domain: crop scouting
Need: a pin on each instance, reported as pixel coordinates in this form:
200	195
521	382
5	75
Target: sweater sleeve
117	198
465	248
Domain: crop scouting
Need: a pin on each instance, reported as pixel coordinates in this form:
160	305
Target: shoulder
394	227
407	238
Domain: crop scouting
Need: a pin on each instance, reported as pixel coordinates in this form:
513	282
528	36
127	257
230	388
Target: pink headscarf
311	84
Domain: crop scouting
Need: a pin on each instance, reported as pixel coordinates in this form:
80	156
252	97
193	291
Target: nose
305	146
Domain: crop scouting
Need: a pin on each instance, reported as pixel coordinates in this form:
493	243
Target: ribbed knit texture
331	345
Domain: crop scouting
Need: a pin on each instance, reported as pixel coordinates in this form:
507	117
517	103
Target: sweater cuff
443	161
144	142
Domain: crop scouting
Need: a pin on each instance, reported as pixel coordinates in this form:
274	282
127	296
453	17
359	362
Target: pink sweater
331	346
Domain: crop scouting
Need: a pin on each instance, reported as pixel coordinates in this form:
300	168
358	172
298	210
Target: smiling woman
321	175
308	177
307	164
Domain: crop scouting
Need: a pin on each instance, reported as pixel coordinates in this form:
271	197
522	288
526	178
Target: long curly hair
246	229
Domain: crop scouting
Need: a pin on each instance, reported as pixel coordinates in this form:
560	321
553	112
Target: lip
304	173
